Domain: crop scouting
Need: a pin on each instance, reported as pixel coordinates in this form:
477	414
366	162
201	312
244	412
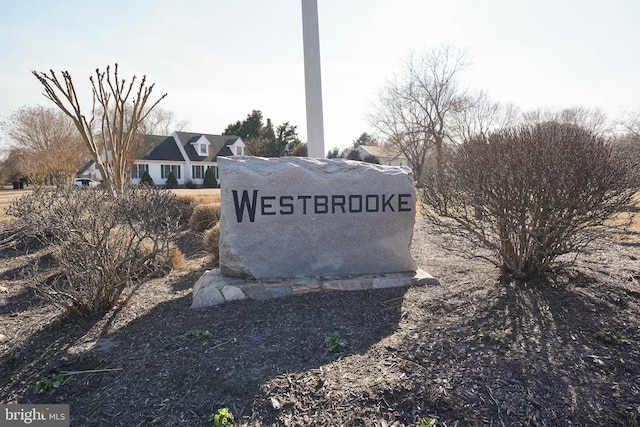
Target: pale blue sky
218	60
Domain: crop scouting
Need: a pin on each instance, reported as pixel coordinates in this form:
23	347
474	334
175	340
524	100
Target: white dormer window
201	145
237	147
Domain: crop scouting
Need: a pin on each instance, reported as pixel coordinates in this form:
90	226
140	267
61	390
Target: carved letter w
244	203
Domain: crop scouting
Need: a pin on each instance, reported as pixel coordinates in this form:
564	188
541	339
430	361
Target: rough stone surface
207	290
345	285
293	217
213	288
232	293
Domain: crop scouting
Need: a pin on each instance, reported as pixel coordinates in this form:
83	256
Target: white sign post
312	79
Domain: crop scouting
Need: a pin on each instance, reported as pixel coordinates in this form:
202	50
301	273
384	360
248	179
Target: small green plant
209	179
146	179
429	422
493	336
172	181
334	343
49	383
222	418
610	337
198	334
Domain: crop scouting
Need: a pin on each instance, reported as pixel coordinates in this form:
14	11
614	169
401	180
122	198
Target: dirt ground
473	351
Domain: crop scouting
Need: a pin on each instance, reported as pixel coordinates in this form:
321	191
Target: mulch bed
473	351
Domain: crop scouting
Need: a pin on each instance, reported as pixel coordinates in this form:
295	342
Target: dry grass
6	197
204	216
630	227
198	196
211	240
195	196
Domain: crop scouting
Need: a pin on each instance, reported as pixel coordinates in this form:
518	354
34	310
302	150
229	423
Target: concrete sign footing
213	288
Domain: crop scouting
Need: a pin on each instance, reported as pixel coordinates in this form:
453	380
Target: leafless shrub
212	241
186	209
189	201
103	245
531	194
628	147
204	216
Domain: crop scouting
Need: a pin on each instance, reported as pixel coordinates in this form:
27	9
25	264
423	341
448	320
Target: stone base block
213	288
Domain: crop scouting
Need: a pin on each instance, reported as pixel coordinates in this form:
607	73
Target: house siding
181	151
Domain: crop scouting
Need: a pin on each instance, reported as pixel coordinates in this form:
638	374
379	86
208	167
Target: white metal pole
312	79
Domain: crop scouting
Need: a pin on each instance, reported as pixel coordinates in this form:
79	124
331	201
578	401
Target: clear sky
220	59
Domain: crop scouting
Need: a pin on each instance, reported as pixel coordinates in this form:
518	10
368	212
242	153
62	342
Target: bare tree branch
591	119
415	110
46	145
529	195
119	114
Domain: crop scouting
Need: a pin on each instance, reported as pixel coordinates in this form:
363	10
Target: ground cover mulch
474	351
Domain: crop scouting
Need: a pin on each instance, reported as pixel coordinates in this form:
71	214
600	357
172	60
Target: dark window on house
203	148
198	172
138	170
167	169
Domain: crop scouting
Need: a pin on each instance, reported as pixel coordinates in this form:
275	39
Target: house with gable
187	154
384	154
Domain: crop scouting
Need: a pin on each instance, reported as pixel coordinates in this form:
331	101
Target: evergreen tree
172	181
261	139
210	179
146	179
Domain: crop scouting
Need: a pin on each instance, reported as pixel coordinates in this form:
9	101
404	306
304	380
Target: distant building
383	154
187	154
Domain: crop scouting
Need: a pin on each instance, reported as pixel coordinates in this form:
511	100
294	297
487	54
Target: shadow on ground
164	377
521	354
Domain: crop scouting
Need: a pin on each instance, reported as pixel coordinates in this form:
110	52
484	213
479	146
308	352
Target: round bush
530	194
212	241
105	245
204	216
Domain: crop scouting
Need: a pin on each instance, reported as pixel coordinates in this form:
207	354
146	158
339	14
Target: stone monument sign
297	216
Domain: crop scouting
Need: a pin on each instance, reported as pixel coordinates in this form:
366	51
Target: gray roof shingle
155	147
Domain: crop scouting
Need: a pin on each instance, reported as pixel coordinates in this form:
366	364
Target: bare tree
29	166
9	167
119	110
161	122
46	144
415	110
628	142
631	123
479	116
592	119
